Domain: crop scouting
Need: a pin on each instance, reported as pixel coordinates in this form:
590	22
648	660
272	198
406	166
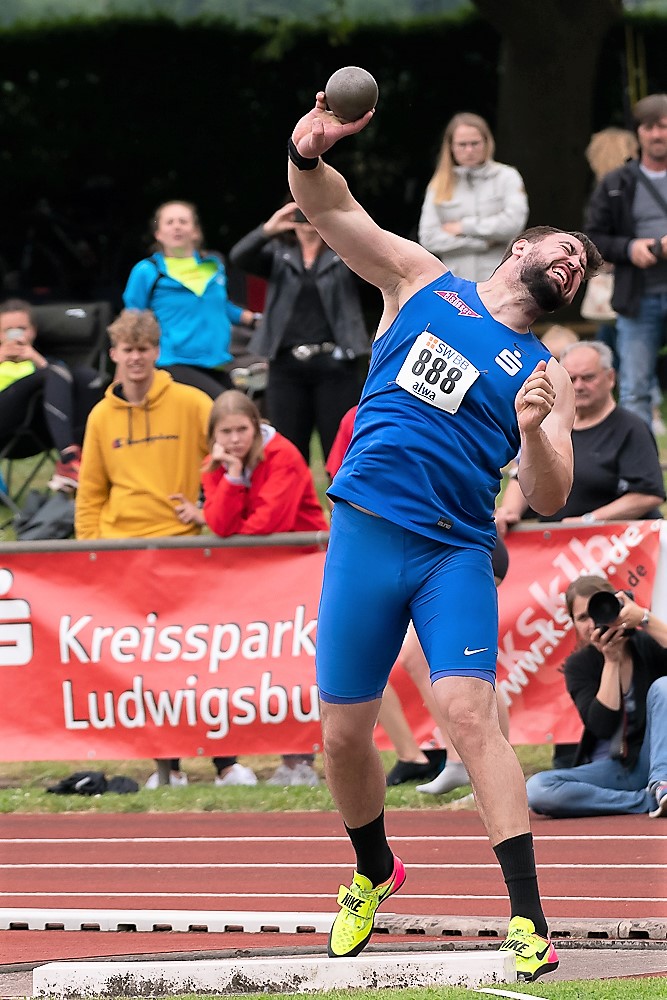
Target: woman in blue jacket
186	288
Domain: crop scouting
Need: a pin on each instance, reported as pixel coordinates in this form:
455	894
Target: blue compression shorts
378	576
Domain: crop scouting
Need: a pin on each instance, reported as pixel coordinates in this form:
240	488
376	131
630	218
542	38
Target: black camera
656	249
604	608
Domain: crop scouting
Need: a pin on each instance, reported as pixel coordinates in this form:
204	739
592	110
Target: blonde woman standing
473	205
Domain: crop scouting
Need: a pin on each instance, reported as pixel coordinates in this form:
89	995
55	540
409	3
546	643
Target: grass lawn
23	788
624	989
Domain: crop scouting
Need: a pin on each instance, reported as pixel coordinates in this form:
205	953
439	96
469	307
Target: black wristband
299	161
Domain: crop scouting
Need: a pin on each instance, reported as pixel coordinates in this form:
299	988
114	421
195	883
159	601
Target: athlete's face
553	269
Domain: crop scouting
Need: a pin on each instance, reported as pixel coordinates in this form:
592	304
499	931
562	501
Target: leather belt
304	352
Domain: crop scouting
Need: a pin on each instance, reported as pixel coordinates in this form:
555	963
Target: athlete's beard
543	289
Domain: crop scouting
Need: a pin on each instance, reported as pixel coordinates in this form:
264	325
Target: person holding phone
617	678
312	329
68	392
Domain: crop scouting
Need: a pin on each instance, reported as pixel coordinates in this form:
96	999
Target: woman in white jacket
473	206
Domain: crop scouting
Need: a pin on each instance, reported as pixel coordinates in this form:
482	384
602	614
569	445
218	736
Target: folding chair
75	333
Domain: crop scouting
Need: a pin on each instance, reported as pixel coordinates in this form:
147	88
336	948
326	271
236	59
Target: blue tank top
436	421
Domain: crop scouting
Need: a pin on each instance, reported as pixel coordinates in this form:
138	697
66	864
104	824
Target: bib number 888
438	368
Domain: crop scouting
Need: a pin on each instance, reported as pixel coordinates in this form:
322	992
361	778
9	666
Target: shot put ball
351	92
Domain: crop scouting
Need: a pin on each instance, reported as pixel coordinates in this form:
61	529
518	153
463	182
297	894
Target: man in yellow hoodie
144	442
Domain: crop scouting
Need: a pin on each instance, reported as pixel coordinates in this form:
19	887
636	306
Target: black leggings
212	381
69	396
303	396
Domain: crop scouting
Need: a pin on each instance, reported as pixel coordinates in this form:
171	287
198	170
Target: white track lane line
300	895
276	865
308	840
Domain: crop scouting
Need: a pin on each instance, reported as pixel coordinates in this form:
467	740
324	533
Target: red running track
608	868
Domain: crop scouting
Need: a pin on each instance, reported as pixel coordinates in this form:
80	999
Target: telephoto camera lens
604	609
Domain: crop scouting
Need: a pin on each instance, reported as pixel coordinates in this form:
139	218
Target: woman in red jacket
255	481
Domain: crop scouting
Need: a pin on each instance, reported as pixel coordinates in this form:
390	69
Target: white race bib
436	373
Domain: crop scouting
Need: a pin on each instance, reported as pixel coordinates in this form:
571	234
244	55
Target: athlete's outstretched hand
535	399
319	130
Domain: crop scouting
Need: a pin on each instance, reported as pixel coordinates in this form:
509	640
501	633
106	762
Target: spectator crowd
173	445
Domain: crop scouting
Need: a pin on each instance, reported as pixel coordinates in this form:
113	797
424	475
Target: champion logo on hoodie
127	442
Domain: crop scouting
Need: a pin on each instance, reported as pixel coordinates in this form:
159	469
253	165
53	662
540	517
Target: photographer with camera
617	679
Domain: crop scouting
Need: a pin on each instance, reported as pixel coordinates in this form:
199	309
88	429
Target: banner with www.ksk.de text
140	653
535	632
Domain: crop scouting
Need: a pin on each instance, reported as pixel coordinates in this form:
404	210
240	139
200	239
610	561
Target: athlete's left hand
319	130
535	399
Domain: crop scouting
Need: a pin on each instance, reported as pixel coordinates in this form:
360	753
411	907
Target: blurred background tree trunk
546	81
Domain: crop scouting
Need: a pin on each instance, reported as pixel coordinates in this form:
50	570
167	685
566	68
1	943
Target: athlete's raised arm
397	266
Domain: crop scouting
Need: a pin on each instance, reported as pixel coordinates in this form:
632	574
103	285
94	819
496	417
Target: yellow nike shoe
535	955
353	926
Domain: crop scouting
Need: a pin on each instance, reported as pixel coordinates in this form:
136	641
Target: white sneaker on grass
238	774
305	774
176	779
281	776
453	775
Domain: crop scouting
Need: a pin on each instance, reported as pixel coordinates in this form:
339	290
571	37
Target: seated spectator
69	392
186	288
617	679
617	474
144	442
256	482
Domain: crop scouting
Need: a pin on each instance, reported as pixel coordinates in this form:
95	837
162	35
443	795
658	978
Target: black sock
374	857
517	860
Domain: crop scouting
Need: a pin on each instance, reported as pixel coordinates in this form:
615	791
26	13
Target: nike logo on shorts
471	652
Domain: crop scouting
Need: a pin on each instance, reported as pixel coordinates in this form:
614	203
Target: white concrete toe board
253	921
271	975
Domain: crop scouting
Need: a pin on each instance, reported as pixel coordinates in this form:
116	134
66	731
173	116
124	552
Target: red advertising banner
173	652
138	653
535	633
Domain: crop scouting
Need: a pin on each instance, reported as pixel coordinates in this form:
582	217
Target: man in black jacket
617	679
627	220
